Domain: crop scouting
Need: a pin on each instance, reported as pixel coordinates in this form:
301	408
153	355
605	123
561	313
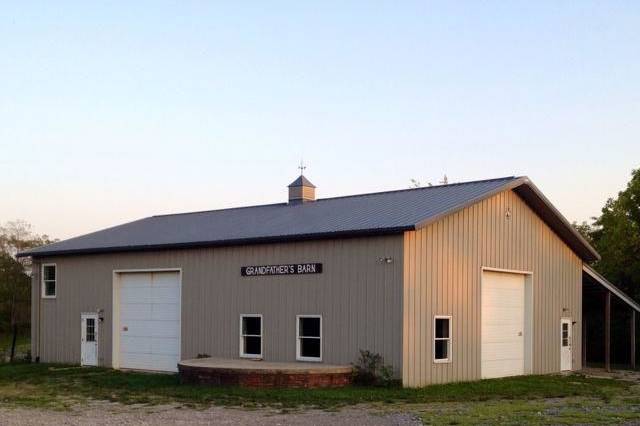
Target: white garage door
503	324
150	321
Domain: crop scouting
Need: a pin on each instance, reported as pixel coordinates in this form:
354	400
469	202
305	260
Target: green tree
17	235
15	291
585	230
15	281
615	234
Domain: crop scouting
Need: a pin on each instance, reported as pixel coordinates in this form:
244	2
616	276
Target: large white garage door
150	321
503	324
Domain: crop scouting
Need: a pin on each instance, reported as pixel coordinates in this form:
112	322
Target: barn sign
289	269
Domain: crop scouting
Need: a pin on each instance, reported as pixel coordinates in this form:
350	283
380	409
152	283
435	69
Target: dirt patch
105	413
601	373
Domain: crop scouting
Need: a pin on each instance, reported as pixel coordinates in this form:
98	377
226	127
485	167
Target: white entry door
503	324
150	321
565	344
89	339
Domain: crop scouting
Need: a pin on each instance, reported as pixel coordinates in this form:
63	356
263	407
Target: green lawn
550	399
23	345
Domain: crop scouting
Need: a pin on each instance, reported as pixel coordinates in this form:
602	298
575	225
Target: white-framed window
565	334
442	338
49	280
309	338
251	336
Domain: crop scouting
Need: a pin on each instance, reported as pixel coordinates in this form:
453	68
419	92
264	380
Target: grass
61	386
23	345
570	410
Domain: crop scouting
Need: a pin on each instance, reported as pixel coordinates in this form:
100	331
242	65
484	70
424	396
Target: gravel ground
104	413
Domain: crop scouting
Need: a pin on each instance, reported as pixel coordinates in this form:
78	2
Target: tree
15	283
16	236
15	291
615	234
585	229
416	184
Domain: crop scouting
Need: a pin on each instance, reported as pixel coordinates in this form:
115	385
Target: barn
448	283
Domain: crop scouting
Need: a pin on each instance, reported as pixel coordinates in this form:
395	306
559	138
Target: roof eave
223	243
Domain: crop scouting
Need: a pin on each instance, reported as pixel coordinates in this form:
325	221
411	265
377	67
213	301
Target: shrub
370	370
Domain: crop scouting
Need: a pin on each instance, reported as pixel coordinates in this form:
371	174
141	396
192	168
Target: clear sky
114	111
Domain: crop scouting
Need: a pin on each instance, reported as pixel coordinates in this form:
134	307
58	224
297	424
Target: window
91	330
565	334
309	338
442	339
251	336
49	281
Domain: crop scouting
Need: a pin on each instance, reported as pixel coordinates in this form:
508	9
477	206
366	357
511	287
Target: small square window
442	350
442	328
309	339
251	336
49	277
49	288
442	339
251	326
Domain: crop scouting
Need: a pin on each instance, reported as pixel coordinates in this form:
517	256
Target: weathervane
302	167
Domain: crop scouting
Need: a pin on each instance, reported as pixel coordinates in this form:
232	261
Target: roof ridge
340	197
420	188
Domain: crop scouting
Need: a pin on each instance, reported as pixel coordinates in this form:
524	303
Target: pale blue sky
114	111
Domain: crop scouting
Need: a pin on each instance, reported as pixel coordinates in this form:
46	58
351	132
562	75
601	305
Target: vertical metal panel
452	252
359	297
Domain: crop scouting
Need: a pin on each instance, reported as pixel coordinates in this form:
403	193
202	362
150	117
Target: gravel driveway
104	413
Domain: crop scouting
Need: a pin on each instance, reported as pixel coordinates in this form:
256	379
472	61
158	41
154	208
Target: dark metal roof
301	181
367	214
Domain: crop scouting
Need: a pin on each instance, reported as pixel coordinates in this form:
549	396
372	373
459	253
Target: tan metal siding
442	270
359	298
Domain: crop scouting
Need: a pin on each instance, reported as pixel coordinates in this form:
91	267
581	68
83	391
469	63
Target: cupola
301	190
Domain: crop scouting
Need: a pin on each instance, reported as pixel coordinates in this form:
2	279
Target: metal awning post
633	339
584	342
607	331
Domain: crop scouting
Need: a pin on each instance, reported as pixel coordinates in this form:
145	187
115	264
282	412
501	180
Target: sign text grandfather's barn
289	269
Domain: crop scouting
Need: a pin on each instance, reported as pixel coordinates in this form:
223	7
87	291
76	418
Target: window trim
43	282
298	339
242	336
448	339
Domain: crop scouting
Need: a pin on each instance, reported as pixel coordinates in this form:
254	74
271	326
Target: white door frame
115	329
569	322
83	317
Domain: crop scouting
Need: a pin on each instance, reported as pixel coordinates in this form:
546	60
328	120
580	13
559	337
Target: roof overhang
555	220
612	288
223	243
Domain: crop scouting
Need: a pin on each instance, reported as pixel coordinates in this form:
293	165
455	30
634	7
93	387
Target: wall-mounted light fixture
386	260
507	213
